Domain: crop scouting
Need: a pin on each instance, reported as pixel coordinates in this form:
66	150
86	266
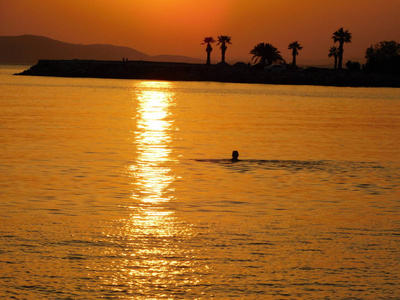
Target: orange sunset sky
178	26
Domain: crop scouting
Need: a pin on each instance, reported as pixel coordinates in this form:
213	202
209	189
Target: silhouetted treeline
239	72
383	58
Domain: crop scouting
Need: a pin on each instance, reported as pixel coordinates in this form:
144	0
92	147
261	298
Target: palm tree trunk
340	54
294	60
223	50
208	50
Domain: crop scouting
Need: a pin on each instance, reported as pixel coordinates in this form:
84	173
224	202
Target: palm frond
208	40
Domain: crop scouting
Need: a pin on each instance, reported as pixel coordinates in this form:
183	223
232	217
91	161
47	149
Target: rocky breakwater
239	73
134	70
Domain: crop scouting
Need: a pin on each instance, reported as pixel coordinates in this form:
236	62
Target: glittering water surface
123	189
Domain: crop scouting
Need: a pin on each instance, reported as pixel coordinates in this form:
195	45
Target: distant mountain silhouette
28	49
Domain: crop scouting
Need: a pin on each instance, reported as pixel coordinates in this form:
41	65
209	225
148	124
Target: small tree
266	54
208	40
223	40
333	52
341	36
353	66
295	47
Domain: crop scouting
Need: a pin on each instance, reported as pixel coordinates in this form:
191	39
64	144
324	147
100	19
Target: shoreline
237	73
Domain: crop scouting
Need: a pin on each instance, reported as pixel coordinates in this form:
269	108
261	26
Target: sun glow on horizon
176	27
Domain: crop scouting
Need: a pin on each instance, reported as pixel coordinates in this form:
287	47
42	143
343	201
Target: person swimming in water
235	156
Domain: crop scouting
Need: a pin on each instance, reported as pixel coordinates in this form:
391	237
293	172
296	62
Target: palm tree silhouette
208	40
341	36
333	51
266	54
223	40
295	47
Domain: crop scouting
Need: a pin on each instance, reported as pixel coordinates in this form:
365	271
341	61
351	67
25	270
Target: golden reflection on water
152	137
151	172
152	237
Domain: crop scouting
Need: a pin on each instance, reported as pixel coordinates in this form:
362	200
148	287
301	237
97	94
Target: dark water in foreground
119	189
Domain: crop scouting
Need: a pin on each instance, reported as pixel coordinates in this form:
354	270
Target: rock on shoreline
238	73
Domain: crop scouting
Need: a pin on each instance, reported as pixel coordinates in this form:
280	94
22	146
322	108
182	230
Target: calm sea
123	189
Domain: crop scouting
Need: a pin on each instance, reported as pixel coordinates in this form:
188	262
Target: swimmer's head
235	155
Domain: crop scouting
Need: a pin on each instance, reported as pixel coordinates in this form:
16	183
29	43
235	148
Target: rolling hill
28	49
